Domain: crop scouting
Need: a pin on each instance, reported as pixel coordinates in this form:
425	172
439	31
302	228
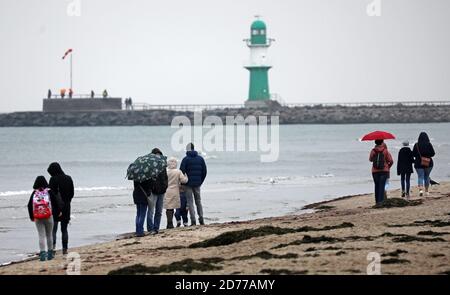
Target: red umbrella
378	135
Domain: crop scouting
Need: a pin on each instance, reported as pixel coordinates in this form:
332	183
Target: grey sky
178	51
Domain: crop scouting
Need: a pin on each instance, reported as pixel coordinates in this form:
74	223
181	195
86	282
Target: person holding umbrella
381	162
144	171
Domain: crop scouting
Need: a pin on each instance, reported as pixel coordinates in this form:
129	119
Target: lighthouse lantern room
258	64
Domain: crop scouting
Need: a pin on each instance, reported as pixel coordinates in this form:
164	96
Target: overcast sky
178	51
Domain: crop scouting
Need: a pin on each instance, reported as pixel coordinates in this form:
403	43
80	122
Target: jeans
64	232
45	232
155	208
181	212
405	179
423	175
379	179
141	210
193	194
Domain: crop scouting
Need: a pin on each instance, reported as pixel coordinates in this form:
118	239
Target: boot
201	221
42	256
169	214
193	223
178	223
50	255
64	251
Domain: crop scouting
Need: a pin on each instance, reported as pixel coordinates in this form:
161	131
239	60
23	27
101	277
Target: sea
315	163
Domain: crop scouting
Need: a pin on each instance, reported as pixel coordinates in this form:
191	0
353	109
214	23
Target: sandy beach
335	237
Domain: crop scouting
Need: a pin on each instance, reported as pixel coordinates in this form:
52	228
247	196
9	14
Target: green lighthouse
258	65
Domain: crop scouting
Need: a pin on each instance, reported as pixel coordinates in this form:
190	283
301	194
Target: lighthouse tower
258	65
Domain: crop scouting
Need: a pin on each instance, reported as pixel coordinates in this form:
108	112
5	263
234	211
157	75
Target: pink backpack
42	208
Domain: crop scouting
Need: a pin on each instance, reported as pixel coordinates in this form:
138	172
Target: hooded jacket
423	148
194	167
405	161
388	161
61	184
176	178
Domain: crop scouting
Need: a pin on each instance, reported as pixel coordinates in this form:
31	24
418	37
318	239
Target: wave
77	189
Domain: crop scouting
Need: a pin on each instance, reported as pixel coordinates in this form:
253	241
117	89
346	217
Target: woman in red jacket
381	164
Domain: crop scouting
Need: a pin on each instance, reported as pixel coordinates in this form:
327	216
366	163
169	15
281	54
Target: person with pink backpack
43	206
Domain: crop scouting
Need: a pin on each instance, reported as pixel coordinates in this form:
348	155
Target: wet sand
336	237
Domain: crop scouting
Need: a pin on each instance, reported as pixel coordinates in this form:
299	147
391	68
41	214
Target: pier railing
202	107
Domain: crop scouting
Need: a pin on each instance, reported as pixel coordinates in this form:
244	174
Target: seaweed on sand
283	271
232	237
187	265
309	240
394	261
266	256
431	233
397	202
395	253
432	223
402	238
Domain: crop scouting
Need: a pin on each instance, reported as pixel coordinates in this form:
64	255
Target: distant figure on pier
105	94
92	94
70	93
127	103
63	92
130	101
49	94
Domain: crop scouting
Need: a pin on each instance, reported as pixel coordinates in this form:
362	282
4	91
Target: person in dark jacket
423	153
156	199
62	185
405	168
194	166
44	226
140	194
380	174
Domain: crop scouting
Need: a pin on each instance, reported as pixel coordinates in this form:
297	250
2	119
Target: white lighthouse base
262	104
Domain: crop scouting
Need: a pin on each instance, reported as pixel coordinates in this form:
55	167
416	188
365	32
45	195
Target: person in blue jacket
194	166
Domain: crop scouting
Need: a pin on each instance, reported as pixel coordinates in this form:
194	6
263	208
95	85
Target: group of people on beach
175	190
48	206
421	157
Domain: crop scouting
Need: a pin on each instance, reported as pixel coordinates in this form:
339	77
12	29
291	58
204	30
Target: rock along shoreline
296	115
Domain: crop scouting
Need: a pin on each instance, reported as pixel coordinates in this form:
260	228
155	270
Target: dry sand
295	244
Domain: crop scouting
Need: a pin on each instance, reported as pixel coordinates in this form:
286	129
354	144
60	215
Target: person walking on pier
92	94
49	94
105	93
194	166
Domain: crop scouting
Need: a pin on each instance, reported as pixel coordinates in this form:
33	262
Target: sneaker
178	223
185	224
139	235
403	194
42	256
50	255
201	221
420	193
154	232
193	223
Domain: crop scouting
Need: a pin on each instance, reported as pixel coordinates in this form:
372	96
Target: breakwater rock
296	115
